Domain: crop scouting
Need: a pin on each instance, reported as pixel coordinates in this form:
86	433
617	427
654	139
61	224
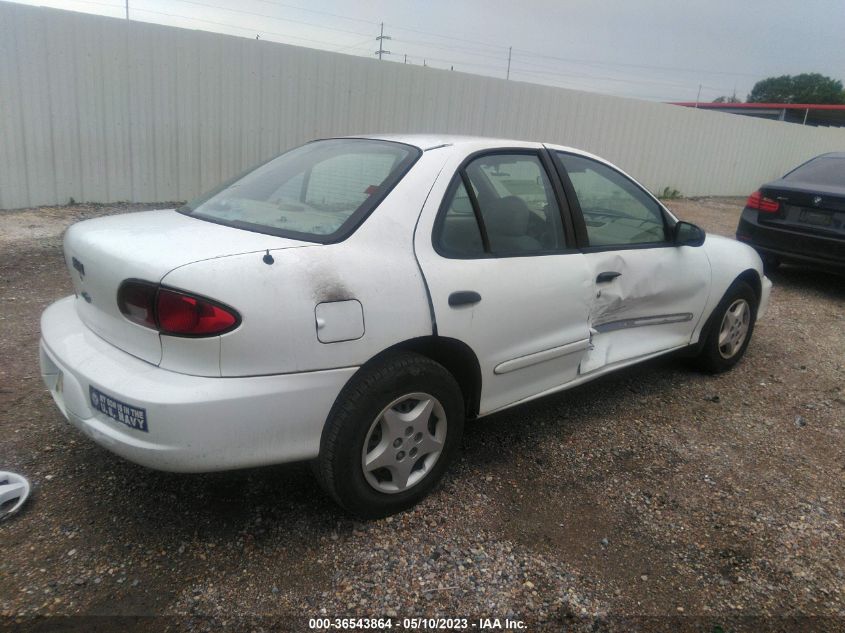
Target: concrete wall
101	109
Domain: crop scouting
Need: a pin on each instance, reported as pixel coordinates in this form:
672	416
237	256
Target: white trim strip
659	319
580	380
541	357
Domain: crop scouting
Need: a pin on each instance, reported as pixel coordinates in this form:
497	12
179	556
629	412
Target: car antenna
268	258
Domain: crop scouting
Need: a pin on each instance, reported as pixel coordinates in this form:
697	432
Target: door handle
463	298
604	277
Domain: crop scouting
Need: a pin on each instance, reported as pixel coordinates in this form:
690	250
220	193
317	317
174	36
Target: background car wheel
390	435
729	329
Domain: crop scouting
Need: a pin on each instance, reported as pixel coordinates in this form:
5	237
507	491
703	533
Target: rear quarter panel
375	266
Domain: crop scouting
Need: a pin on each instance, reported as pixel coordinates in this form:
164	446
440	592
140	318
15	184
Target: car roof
832	155
432	141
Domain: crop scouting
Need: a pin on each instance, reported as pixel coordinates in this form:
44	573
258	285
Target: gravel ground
655	498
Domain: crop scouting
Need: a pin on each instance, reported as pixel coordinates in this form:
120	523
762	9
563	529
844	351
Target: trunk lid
806	207
102	253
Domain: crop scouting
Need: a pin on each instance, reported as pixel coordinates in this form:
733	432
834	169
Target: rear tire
390	435
729	329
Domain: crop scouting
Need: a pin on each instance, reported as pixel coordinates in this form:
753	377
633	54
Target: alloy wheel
734	328
404	442
14	490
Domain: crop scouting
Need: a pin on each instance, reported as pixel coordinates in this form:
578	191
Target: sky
659	50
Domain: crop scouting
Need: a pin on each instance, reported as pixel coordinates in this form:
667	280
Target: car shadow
806	278
227	505
568	410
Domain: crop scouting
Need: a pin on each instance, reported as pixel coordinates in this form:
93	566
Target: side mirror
688	234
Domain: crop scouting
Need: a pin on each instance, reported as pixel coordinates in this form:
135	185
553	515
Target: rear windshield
319	192
824	170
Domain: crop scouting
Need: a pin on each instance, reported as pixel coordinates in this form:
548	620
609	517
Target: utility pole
406	58
508	76
698	96
380	39
127	9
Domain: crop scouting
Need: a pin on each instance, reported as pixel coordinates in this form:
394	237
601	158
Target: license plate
131	416
816	218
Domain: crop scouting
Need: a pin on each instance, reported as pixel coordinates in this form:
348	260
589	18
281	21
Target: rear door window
512	197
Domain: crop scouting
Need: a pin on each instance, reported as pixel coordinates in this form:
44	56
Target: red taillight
173	312
758	201
183	314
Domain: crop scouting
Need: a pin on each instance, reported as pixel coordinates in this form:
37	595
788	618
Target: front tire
729	330
391	434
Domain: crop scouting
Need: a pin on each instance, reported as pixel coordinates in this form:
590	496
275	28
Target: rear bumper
194	424
818	250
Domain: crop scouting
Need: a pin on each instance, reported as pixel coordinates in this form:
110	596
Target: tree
723	99
803	88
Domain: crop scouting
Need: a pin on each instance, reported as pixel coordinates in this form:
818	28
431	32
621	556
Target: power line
557	67
606	78
231	26
372	22
511	58
344	48
452	38
522	71
501	47
579	85
463	49
532	68
317	11
514	63
628	65
382	52
272	17
116	7
452	62
467	50
274	3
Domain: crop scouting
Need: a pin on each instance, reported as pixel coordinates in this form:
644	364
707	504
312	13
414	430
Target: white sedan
354	300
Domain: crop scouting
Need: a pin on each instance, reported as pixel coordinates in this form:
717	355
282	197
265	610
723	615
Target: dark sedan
800	218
